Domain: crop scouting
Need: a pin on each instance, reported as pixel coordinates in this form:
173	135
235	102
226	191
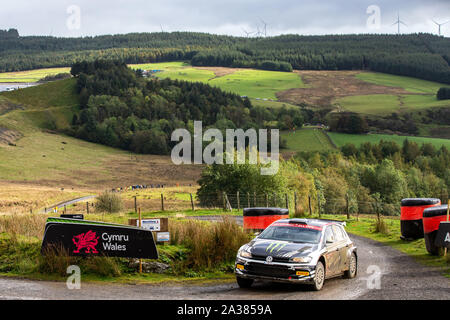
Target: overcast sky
96	17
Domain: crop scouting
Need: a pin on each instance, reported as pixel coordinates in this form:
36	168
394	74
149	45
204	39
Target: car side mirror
329	241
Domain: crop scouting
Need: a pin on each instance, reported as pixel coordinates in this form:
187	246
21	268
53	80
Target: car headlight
245	254
301	259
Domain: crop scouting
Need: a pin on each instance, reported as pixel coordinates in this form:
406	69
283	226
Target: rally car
297	250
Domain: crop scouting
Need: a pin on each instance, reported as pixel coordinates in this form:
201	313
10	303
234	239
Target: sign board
91	238
154	224
443	235
163	237
151	224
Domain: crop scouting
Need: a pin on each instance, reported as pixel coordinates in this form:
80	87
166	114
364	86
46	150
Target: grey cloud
225	17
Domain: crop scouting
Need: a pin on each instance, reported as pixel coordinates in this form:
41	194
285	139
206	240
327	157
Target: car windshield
291	233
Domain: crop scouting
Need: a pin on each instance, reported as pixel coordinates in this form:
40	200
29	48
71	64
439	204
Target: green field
340	139
252	83
413	85
273	104
31	75
379	104
306	139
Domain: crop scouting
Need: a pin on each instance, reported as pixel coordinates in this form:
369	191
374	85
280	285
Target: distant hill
422	56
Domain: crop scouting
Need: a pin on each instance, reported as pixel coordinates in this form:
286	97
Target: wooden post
267	200
192	202
309	205
254	199
238	201
140	226
287	201
135	204
224	203
347	206
87	207
318	204
162	202
64	209
248	200
295	200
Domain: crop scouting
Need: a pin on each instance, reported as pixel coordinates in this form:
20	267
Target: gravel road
400	278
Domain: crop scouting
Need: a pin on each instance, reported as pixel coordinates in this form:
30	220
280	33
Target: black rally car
297	250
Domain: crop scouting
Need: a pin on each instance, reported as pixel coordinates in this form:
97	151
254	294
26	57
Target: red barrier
411	224
432	217
261	218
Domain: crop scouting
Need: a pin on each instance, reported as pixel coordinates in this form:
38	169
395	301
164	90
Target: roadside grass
340	139
198	251
306	140
413	85
31	75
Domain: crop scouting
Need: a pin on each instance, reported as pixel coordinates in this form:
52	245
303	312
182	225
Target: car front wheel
319	277
244	283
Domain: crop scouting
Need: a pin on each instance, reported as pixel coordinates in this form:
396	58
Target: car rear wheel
352	267
319	277
244	283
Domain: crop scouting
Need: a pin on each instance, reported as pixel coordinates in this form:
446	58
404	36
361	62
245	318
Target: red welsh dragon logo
87	241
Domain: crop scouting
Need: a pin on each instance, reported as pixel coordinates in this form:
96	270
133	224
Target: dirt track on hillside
326	86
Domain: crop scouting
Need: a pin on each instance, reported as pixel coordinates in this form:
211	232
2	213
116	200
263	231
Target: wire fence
298	204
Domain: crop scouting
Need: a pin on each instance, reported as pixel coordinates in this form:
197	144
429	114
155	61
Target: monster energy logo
274	246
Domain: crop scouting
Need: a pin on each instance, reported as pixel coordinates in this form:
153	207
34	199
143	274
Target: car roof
312	222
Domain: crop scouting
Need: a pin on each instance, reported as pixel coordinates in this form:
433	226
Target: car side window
338	232
329	236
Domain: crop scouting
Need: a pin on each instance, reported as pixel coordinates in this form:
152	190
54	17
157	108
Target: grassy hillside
410	84
39	156
341	139
31	75
246	82
382	104
306	139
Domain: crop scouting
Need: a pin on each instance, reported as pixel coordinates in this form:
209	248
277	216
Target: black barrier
86	239
443	235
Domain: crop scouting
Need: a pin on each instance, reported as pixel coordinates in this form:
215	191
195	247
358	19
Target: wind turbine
440	24
265	27
398	22
248	33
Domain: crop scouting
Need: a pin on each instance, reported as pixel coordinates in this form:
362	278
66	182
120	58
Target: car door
332	254
342	245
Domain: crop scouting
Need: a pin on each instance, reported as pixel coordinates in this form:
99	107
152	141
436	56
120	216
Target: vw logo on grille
269	259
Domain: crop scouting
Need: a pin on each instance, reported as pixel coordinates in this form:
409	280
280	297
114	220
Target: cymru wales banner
92	238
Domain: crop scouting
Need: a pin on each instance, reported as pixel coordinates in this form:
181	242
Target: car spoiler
335	221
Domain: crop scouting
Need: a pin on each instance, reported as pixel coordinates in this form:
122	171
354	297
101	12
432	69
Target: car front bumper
287	272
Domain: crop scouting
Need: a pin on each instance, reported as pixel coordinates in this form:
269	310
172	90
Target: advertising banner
443	235
90	238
